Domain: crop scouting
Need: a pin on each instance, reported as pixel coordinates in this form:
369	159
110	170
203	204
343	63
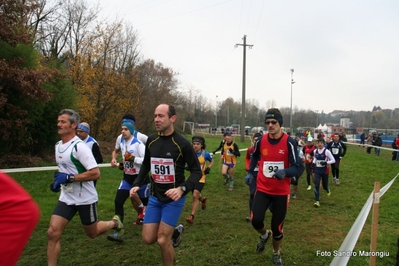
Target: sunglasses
271	122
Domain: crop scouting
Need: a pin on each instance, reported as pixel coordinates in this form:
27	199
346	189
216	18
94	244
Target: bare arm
89	175
114	162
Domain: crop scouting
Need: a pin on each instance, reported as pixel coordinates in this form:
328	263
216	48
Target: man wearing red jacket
278	163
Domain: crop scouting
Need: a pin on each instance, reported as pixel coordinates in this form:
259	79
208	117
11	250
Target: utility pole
292	82
242	124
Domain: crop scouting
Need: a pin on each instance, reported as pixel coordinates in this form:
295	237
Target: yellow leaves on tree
106	82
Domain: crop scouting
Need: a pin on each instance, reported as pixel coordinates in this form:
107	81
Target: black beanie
274	113
257	135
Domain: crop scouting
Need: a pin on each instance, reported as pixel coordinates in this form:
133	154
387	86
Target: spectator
378	143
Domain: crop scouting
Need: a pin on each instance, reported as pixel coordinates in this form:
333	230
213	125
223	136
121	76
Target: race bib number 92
270	168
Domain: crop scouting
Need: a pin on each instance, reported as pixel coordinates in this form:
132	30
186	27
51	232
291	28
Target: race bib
335	151
162	170
270	168
318	163
68	187
129	168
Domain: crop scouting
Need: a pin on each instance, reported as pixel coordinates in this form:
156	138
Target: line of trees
60	54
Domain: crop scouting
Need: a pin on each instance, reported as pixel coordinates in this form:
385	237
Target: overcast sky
345	54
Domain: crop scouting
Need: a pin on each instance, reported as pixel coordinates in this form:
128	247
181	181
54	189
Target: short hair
129	116
73	115
171	110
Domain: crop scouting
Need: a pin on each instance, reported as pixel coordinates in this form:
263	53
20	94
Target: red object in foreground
19	215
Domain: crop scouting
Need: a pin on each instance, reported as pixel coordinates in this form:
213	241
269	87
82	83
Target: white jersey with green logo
74	157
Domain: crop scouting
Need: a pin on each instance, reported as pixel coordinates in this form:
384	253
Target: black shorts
199	186
87	213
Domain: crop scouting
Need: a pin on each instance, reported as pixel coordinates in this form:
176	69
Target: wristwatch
72	178
183	188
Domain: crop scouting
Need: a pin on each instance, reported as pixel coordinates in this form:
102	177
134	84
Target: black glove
207	170
323	163
231	150
280	174
214	152
312	165
120	166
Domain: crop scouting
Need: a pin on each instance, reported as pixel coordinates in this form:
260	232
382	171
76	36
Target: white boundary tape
367	145
45	168
53	168
351	238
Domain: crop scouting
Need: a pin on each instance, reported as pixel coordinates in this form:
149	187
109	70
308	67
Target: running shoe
317	204
203	203
309	187
141	213
329	192
294	195
276	258
176	241
334	179
115	237
230	189
190	219
138	221
118	223
260	247
140	216
248	219
337	182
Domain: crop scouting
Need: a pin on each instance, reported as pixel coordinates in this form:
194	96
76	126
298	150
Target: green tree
23	81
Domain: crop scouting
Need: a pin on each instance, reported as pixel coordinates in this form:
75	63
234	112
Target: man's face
64	126
272	126
81	134
126	132
320	144
162	119
336	138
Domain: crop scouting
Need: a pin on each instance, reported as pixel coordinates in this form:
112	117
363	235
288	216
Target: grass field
220	235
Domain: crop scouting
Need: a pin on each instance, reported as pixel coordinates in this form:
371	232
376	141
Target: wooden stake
374	225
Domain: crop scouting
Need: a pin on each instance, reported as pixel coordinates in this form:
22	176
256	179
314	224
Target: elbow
96	174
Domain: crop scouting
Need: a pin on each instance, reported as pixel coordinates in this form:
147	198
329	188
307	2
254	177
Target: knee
148	239
257	223
164	241
196	194
53	234
119	201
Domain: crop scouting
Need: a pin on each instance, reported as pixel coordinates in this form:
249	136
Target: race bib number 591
162	170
